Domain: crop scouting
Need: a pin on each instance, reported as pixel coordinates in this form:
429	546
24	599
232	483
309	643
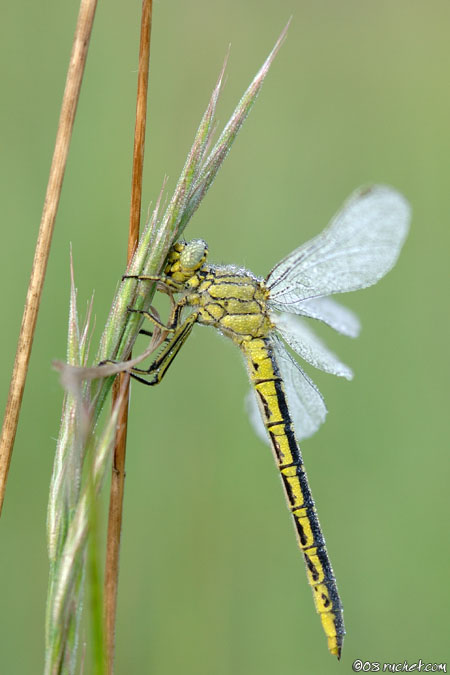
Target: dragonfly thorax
232	300
229	298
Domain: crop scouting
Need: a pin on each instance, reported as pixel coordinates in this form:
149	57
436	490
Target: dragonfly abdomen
269	388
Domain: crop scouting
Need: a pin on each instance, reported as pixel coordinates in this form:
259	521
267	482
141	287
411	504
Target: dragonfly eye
193	255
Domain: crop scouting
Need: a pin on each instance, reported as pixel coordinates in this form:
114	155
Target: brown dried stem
66	120
118	469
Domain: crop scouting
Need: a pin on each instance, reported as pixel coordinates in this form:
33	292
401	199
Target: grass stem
63	135
123	379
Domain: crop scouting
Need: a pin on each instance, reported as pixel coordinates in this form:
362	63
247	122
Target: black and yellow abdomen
235	302
269	388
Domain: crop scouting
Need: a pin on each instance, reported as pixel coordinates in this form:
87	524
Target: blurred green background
211	580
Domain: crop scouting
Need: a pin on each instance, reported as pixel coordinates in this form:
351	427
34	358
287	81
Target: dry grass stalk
66	120
123	379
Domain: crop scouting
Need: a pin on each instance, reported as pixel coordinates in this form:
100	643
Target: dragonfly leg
160	365
149	333
151	317
174	320
164	281
158	368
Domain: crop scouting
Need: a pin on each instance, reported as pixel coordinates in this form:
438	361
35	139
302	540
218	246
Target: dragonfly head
186	258
193	255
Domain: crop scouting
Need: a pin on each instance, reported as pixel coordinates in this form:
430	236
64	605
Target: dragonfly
261	317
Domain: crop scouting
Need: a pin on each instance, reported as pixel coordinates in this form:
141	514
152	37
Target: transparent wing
251	406
360	245
342	319
306	344
305	403
304	400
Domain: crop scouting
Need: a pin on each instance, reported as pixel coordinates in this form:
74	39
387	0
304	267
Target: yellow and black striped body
270	392
235	303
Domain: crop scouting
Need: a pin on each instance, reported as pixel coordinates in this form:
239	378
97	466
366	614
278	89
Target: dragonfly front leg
165	285
164	281
151	317
174	320
160	365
